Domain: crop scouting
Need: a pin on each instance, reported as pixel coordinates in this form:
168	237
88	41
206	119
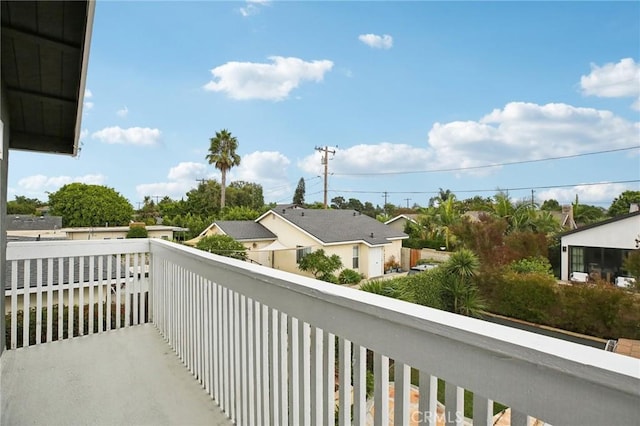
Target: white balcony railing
271	347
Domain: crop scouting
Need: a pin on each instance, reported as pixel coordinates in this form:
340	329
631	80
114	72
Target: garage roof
45	50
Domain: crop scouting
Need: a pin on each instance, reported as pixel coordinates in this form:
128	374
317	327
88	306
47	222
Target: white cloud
375	41
614	80
269	169
268	81
123	112
41	183
87	105
131	136
253	7
182	178
187	171
587	194
384	158
529	131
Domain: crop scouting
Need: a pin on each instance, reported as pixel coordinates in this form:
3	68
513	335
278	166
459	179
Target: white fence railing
273	348
56	290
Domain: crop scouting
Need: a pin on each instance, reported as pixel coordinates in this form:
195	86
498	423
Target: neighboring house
600	248
363	243
255	237
399	223
119	232
29	222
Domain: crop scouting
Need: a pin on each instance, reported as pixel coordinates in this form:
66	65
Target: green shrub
425	288
349	276
137	232
599	310
330	278
527	265
526	296
223	245
390	288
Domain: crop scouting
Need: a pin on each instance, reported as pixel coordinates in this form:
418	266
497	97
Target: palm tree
222	154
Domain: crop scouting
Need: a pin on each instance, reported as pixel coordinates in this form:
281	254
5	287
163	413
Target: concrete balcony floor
124	377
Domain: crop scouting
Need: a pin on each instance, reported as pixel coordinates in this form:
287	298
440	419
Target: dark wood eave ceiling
45	47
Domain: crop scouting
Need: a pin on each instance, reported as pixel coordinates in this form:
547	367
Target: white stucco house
600	248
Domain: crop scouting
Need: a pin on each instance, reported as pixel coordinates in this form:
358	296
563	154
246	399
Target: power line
488	190
486	166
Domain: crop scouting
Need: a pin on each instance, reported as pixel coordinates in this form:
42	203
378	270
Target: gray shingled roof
27	222
245	230
335	226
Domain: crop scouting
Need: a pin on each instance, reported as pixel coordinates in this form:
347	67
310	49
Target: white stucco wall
620	234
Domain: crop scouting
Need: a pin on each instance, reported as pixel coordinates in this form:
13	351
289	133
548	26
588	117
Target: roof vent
354	213
283	211
372	235
302	213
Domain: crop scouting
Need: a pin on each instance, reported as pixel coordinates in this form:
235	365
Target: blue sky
399	90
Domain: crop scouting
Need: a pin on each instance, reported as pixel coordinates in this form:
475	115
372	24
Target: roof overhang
45	52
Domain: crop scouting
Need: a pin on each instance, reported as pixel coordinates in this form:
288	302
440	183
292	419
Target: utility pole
202	181
385	195
407	200
532	202
325	161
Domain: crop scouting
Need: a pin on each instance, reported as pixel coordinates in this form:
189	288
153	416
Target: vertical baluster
329	385
264	359
237	393
304	339
92	276
119	287
60	298
294	370
402	397
285	374
454	404
71	295
110	280
14	304
381	389
135	284
428	402
274	367
250	377
316	376
518	418
26	300
226	346
101	300
344	387
49	300
81	287
482	410
359	385
38	301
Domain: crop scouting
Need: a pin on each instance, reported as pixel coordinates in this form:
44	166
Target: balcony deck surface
124	377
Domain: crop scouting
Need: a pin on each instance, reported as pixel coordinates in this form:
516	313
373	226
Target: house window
301	252
577	259
356	257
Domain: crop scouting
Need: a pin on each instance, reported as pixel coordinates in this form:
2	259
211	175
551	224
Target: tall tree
298	196
222	154
620	205
80	204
